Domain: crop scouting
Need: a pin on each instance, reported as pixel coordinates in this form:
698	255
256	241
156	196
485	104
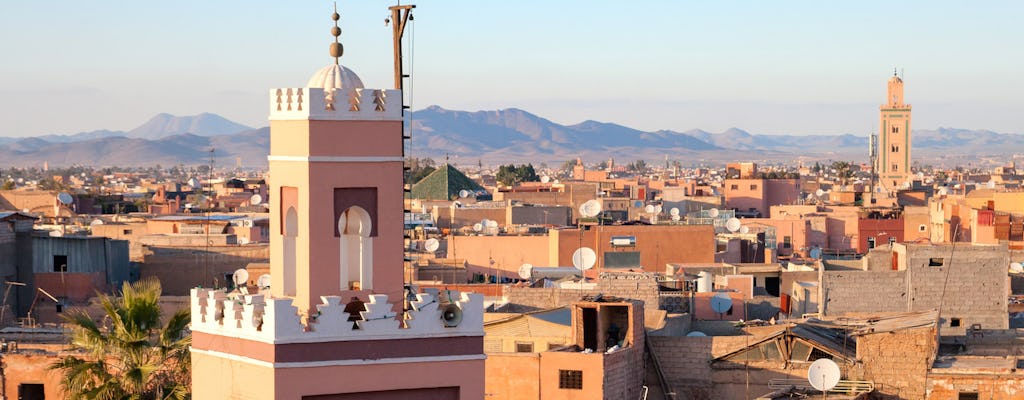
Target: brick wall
180	269
898	362
684	362
635	286
993	387
861	291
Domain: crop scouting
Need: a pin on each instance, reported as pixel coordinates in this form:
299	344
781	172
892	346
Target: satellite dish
451	315
696	333
240	277
638	204
526	271
56	234
657	209
649	209
744	229
943	191
733	224
721	302
823	374
674	212
65	198
584	258
492	223
96	222
590	208
675	218
545	179
263	282
991	184
255	199
463	193
819	192
1016	267
477	227
713	213
195	183
431	245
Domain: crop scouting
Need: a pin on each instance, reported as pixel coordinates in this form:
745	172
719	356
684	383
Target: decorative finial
336	48
893	68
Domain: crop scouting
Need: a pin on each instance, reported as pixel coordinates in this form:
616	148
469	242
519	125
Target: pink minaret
336	200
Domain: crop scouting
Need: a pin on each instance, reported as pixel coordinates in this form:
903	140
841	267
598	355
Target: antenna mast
399	16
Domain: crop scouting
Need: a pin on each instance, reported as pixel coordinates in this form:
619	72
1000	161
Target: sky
792	67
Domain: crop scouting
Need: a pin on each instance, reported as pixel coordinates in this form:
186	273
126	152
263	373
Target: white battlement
319	104
277	321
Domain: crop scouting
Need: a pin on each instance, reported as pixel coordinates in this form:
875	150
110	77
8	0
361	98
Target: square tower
332	324
894	139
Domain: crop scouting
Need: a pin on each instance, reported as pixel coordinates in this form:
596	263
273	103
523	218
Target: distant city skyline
768	68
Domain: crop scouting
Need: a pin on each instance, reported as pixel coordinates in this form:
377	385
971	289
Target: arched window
356	247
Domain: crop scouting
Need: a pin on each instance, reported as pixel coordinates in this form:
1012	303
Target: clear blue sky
801	67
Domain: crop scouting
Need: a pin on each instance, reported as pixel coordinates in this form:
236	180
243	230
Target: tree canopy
131	354
510	175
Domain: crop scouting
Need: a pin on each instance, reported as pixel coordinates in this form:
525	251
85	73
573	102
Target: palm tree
130	355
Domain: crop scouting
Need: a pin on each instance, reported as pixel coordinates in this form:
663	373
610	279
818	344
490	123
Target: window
787	242
895	129
955	322
895	167
734	187
570	379
892	240
871	242
895	148
753	187
817	354
60	263
127	232
922	228
35	391
524	347
935	262
967	396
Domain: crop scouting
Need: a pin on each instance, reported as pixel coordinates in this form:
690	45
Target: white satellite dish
744	229
733	224
991	184
431	245
676	218
477	227
56	234
492	223
96	222
819	192
255	199
721	302
590	208
584	258
673	212
1016	267
713	213
649	209
526	271
696	334
240	277
194	183
65	198
545	179
823	374
943	191
657	209
463	193
263	282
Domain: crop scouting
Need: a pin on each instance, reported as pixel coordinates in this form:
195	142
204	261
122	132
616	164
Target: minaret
894	138
336	200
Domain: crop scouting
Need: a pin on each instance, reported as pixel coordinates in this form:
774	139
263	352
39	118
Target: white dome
335	76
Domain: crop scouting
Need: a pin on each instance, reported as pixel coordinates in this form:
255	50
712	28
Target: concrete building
755	197
968	283
604	360
336	163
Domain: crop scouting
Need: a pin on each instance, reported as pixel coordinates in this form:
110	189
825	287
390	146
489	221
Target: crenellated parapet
274	320
312	103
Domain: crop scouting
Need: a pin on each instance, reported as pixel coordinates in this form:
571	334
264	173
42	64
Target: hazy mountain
500	136
205	124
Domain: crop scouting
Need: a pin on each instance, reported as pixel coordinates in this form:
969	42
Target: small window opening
936	262
570	379
967	396
60	263
954	322
524	347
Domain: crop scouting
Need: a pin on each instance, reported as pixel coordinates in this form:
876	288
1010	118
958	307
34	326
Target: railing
844	386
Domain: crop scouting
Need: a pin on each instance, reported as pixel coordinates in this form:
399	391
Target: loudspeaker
451	314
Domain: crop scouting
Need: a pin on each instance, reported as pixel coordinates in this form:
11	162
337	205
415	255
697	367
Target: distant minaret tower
894	138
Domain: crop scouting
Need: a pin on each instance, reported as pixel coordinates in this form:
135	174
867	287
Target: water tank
704	280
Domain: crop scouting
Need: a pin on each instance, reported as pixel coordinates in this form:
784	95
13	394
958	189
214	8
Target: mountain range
500	136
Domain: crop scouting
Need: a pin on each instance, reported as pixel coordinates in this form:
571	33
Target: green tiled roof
443	184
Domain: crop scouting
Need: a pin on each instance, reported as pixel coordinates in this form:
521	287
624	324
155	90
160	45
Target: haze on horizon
801	67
